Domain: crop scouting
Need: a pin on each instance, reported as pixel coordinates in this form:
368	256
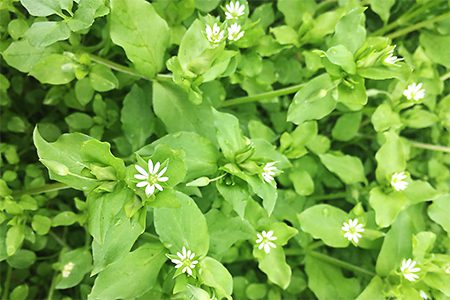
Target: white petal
141	170
142	184
261	246
149	190
141	177
150	166
159	187
156	167
181	256
176	261
163	179
267	248
161	173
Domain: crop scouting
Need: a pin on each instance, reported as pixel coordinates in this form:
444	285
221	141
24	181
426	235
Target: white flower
352	230
414	91
214	34
391	59
265	240
408	269
151	178
234	10
67	269
423	295
234	32
185	261
269	171
398	181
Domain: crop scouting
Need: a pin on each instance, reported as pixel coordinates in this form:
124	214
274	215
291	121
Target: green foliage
206	149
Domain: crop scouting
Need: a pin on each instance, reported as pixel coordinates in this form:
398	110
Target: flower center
152	179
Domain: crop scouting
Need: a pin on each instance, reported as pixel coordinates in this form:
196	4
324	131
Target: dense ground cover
290	149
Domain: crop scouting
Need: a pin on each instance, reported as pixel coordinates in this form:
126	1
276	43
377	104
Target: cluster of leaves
98	71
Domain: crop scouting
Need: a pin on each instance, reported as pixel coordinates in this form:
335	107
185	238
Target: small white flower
234	10
414	91
67	269
423	295
150	179
214	34
353	230
265	240
269	171
391	59
398	181
186	261
234	32
408	269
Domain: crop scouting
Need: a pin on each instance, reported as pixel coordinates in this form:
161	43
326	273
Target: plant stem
52	288
257	97
51	187
339	263
60	241
445	76
432	147
126	70
417	26
411	13
7	283
329	196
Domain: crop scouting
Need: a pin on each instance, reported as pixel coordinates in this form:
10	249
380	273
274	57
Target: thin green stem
445	76
410	14
51	187
340	263
418	26
60	241
257	97
431	147
7	283
329	196
51	290
126	70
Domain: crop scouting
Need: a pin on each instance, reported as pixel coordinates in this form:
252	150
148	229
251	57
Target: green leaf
177	114
113	232
229	135
347	126
348	168
438	212
54	69
225	232
419	118
84	91
43	8
215	275
352	93
423	244
274	265
184	226
302	181
397	245
385	118
200	154
339	55
14	238
41	224
102	79
387	206
382	8
236	195
293	10
372	290
23	56
134	26
285	35
324	222
43	34
350	30
85	14
82	264
391	157
131	276
436	47
137	118
313	101
328	282
79	121
20	292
